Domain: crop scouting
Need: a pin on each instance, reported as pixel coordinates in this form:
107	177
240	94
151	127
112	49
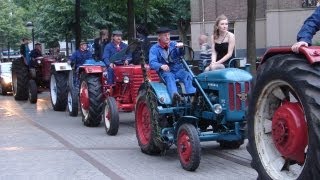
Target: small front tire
111	116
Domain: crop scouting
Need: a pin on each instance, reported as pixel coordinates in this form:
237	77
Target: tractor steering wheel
186	49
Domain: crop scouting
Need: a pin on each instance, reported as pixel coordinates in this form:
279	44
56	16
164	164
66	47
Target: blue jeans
182	75
111	76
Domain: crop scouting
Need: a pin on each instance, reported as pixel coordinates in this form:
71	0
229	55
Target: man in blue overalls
170	71
115	46
310	27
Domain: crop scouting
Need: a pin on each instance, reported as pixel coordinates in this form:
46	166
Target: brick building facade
277	21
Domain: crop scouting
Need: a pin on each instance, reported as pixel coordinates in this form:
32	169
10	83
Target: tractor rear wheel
145	113
20	79
33	91
111	116
91	99
284	119
58	90
188	147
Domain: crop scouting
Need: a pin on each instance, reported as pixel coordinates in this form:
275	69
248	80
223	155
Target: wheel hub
184	146
84	97
289	131
144	127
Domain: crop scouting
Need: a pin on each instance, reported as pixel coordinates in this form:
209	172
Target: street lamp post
31	27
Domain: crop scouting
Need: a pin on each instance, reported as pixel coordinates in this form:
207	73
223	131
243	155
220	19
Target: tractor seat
180	86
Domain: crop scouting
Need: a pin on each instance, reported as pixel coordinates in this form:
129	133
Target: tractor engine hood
225	75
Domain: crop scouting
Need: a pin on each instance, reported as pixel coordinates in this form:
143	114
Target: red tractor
122	95
98	100
27	81
284	117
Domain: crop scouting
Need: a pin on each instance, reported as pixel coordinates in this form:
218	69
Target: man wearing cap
79	56
112	48
170	71
25	51
35	53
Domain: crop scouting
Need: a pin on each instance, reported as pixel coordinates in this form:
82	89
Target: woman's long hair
216	32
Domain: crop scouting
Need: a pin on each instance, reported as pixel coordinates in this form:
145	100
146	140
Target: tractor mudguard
311	53
61	66
91	66
161	92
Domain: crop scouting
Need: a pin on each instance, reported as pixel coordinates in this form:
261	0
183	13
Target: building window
309	3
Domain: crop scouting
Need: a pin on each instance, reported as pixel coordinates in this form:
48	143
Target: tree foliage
12	26
55	19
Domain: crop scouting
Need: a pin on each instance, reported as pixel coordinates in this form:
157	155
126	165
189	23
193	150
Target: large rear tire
20	80
91	99
58	90
111	116
145	113
188	147
284	119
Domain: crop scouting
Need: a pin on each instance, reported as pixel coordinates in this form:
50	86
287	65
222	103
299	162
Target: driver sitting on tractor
80	56
115	46
35	53
170	71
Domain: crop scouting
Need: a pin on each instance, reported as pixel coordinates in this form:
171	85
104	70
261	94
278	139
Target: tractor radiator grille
238	93
138	80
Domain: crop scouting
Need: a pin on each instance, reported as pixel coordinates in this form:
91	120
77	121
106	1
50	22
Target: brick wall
236	9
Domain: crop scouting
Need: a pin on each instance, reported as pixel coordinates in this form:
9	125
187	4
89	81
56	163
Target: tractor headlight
217	108
7	80
126	79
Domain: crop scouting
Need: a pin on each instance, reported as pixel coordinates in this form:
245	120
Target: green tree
12	27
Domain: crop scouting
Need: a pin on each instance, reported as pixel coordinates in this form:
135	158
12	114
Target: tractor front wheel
188	146
58	90
33	91
73	101
111	116
284	119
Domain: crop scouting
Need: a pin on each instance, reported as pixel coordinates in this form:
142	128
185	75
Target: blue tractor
216	112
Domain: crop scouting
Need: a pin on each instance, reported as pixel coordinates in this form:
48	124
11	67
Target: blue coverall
108	52
310	27
158	56
79	57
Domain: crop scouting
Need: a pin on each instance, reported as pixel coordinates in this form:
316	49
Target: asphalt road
39	143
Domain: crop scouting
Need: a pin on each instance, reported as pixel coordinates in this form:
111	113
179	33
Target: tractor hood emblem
242	96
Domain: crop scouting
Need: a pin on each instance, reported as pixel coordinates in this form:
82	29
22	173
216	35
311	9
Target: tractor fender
160	90
90	69
185	119
60	66
91	66
311	53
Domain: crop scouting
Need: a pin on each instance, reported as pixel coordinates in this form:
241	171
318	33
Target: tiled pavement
39	143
